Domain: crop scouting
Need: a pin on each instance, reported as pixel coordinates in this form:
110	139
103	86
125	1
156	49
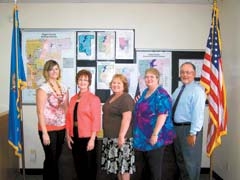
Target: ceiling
111	1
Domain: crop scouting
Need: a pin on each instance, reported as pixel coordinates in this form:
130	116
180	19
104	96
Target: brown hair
123	79
84	72
48	66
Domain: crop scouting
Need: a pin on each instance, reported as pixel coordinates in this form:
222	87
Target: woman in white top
52	102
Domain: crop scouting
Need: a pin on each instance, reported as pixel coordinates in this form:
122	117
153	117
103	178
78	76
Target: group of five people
135	131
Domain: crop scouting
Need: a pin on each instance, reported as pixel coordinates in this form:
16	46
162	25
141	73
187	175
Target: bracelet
154	135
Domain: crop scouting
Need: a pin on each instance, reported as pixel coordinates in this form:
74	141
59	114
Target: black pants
169	168
84	161
52	154
149	164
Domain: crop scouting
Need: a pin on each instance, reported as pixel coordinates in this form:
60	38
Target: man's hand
191	139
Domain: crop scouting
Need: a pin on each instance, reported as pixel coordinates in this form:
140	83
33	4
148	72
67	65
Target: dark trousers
188	157
84	161
149	164
169	168
52	154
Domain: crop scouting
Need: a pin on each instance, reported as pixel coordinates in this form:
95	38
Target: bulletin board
103	52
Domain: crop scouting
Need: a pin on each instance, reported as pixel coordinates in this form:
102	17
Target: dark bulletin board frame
176	56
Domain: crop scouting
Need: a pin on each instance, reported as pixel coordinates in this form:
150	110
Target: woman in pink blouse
82	123
52	102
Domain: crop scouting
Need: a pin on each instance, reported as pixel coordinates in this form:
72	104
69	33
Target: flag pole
211	162
20	99
211	158
22	135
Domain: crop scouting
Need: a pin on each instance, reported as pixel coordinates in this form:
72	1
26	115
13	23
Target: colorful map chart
38	47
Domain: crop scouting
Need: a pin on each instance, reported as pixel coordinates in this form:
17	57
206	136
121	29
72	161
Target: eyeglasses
186	72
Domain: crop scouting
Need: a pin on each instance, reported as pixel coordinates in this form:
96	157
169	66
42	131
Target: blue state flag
17	83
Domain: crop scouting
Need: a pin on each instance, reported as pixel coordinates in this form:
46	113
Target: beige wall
226	159
165	26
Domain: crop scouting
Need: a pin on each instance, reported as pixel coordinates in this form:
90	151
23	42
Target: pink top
54	113
88	113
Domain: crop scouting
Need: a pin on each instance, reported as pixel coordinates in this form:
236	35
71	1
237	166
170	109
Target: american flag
212	79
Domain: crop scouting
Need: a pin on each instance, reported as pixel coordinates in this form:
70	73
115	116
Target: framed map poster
125	44
158	59
86	48
106	45
40	46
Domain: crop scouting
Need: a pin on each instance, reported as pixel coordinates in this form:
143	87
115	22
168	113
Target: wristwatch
192	134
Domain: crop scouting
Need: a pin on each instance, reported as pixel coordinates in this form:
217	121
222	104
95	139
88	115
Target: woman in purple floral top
153	128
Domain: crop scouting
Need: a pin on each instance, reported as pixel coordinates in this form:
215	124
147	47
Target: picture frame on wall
105	72
106	45
130	71
154	58
86	45
55	44
125	44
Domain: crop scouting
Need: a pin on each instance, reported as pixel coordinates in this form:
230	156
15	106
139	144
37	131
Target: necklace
79	96
56	100
59	96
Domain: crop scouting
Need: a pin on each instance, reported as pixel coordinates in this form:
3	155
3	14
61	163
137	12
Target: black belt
182	124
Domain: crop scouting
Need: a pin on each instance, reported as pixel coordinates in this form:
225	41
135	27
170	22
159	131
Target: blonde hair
153	71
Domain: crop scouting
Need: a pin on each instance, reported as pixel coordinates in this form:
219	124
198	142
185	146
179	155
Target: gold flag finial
214	3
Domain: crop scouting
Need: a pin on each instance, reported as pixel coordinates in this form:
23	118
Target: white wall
162	26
